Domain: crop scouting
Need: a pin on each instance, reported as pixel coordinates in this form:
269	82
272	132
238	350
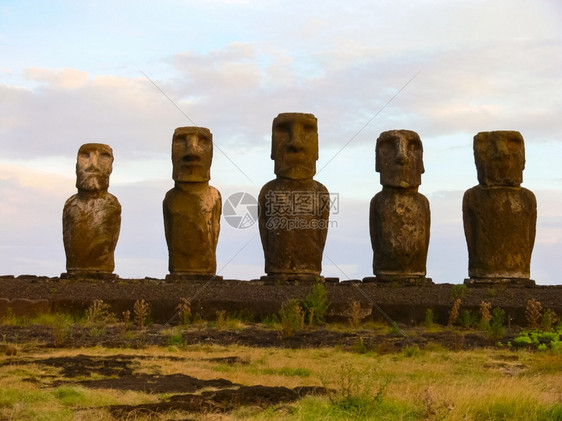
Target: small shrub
98	313
412	351
316	304
9	318
549	336
549	320
221	319
394	329
61	329
496	330
291	316
270	321
175	340
485	314
434	407
428	319
468	319
522	340
454	313
141	310
355	314
184	311
354	391
533	313
126	317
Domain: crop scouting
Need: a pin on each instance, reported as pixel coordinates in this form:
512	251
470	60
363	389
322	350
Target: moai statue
91	218
192	209
294	208
499	215
399	216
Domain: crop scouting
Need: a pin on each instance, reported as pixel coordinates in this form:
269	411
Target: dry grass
440	384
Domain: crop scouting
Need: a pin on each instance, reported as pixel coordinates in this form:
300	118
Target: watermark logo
301	203
300	210
298	223
240	210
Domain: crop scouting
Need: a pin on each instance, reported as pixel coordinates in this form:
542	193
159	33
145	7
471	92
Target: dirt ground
382	340
188	393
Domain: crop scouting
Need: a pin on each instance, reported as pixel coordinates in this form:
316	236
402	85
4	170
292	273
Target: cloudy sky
128	73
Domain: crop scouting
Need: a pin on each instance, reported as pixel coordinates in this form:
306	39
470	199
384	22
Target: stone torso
399	224
191	220
293	224
499	224
90	232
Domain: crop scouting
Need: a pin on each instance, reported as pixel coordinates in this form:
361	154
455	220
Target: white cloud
65	78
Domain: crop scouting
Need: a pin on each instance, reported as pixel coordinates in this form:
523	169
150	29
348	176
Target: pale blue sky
72	72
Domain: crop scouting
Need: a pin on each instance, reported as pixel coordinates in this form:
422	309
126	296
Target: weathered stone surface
499	215
294	208
92	217
23	307
192	209
399	217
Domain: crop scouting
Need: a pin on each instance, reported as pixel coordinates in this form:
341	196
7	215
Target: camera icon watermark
240	210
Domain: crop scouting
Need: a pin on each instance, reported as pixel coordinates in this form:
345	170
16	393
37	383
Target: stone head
399	158
94	164
294	145
192	154
500	158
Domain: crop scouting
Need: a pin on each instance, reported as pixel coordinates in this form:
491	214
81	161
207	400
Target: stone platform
25	295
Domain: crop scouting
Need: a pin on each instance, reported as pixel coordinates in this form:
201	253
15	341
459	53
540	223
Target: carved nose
191	144
401	154
92	161
295	140
501	148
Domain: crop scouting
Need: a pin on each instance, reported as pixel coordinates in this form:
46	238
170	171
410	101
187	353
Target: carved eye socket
205	141
514	143
415	145
282	128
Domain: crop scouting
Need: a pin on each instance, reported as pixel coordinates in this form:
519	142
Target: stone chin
192	175
401	182
92	182
300	172
501	177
